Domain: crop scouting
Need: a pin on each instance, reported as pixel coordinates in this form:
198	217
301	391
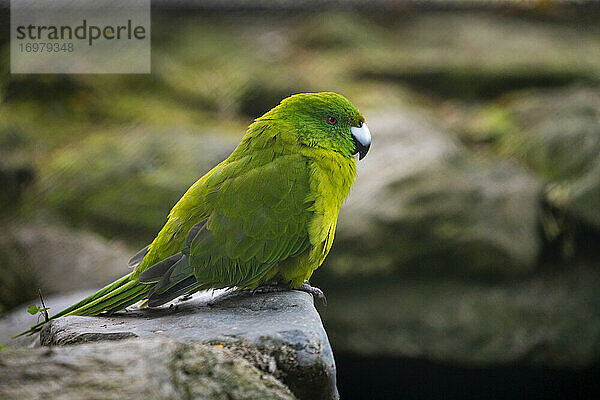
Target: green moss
555	132
126	184
203	372
338	30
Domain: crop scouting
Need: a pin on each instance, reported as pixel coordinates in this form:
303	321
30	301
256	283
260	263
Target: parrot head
325	120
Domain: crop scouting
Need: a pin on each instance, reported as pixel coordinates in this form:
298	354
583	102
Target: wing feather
256	220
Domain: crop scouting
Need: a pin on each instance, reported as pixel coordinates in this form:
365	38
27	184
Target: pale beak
362	139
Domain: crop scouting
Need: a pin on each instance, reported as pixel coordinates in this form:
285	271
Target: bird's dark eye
331	120
360	124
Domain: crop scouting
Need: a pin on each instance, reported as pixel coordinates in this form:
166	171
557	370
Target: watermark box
80	36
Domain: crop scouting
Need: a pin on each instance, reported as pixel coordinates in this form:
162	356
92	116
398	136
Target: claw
315	291
305	287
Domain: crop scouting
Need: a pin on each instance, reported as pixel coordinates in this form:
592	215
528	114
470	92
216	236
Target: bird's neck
332	174
331	177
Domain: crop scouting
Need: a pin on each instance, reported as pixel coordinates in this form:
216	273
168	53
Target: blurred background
466	262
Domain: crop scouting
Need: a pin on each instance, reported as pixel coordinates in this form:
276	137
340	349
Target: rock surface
281	333
421	196
156	368
56	259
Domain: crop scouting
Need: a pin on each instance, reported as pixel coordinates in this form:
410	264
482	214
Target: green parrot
264	216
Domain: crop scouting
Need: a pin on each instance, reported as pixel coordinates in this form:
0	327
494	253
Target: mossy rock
550	319
472	56
128	183
156	368
423	204
557	135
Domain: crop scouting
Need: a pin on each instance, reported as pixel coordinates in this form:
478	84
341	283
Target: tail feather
155	273
186	286
115	301
101	304
160	284
122	291
126	303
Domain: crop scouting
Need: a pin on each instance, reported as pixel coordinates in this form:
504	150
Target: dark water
401	378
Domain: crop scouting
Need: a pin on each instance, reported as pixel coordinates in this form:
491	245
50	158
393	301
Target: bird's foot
305	287
315	291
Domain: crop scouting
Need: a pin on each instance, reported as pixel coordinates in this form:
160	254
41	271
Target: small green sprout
33	309
43	310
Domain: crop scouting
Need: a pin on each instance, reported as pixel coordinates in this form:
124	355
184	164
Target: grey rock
67	259
155	368
55	259
422	201
281	333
